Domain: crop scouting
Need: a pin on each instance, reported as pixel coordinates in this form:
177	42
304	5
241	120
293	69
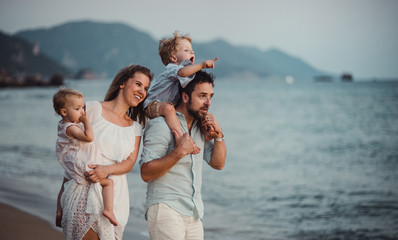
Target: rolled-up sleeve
208	151
157	137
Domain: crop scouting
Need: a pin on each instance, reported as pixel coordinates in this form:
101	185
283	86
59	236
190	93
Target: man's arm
158	167
218	156
192	69
214	131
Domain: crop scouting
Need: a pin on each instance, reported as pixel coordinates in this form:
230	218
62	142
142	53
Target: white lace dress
81	211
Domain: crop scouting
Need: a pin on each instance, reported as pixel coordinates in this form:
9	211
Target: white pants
166	223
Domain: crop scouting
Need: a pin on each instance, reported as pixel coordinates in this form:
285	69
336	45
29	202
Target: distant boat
323	78
346	77
289	79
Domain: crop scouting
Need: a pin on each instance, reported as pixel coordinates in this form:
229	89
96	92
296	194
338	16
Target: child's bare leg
168	111
107	195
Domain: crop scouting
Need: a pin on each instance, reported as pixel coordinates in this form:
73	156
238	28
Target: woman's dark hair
135	113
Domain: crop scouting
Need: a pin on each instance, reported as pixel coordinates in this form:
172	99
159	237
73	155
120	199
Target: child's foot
196	151
109	214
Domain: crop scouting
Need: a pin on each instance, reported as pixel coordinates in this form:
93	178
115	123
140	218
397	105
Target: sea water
305	160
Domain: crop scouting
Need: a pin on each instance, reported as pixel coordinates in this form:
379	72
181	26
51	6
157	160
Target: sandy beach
28	212
20	225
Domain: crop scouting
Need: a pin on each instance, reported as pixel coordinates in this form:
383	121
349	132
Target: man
174	175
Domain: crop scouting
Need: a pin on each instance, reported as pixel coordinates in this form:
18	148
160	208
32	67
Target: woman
117	133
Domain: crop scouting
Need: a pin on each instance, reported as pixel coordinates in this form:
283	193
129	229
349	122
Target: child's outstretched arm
191	69
87	135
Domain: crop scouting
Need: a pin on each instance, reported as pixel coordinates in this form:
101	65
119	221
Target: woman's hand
98	173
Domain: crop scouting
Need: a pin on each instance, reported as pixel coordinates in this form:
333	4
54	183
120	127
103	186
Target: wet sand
27	211
19	225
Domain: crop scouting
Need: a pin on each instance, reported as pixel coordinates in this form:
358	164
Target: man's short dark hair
200	77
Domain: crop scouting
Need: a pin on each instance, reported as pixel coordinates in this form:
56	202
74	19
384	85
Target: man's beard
194	113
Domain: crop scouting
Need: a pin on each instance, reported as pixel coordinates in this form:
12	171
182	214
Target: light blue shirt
165	88
180	187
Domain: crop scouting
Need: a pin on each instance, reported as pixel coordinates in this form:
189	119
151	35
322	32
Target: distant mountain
19	57
237	60
102	47
107	47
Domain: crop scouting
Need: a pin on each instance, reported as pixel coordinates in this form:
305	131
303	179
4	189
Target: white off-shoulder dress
81	208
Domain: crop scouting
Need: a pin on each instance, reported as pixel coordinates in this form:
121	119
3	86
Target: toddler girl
74	147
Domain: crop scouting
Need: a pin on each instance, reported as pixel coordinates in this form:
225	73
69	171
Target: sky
336	36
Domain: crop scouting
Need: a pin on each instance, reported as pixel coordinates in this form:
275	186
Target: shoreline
25	208
17	224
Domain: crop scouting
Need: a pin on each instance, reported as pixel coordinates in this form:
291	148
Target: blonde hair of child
61	97
168	46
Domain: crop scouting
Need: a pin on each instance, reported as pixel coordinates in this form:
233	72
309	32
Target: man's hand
211	127
184	144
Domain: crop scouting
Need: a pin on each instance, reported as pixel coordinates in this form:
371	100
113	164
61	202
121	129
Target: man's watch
219	139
